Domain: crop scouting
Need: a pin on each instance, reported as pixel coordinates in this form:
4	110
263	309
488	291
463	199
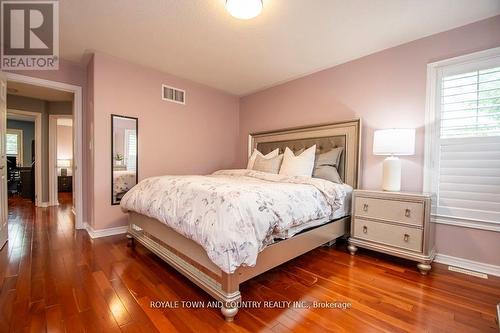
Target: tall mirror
124	156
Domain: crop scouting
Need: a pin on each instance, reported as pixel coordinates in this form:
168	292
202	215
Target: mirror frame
112	152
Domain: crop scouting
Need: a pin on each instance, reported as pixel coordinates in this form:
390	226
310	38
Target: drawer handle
365	229
365	207
407	212
407	237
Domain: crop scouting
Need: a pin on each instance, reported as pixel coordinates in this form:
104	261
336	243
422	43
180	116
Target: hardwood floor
55	279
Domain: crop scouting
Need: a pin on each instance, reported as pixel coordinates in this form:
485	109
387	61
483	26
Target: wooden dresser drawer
391	210
395	223
64	183
394	235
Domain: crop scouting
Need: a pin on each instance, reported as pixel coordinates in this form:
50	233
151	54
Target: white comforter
123	180
232	214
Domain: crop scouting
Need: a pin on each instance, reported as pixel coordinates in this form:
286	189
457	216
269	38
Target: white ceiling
39	92
199	40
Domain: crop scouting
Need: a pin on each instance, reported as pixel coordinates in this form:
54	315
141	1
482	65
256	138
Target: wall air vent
172	94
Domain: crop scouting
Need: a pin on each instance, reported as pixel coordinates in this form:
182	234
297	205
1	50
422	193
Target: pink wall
64	142
65	146
196	138
385	89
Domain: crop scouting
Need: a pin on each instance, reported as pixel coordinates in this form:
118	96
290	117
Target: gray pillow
325	165
327	172
270	165
331	157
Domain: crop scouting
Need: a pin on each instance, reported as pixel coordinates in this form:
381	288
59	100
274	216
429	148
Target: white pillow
301	165
251	160
270	165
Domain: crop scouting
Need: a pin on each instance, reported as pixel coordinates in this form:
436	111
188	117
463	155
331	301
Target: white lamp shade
64	163
394	141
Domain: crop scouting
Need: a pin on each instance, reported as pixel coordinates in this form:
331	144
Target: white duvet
233	214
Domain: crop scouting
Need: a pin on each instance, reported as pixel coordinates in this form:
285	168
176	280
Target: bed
123	181
221	277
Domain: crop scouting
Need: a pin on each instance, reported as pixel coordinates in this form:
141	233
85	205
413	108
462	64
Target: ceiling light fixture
244	9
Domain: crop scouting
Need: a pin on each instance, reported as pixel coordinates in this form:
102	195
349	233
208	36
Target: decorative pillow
256	153
270	165
331	157
327	172
325	166
301	165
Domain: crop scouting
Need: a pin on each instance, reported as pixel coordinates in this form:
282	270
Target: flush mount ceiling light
244	9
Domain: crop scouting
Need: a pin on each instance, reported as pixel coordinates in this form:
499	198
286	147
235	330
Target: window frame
20	145
126	148
435	71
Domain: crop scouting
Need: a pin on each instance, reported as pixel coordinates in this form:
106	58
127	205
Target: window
131	149
463	140
470	104
14	144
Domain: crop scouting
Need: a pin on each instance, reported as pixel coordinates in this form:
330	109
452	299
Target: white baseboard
98	233
468	264
47	204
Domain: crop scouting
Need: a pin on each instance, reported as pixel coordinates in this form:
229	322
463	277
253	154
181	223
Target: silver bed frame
190	259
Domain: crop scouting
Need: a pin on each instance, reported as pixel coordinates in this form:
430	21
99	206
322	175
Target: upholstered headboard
325	137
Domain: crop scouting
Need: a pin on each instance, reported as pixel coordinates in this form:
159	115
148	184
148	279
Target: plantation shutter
131	149
468	177
11	144
14	144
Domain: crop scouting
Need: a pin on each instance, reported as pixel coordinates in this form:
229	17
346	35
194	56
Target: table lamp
393	142
64	164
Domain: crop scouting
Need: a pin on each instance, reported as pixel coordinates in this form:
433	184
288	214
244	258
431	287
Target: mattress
232	213
342	211
123	180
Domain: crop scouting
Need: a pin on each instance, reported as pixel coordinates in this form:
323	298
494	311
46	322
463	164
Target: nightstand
64	183
395	223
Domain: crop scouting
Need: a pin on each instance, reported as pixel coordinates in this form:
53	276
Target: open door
3	161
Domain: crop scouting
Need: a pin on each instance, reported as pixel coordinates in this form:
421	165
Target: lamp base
392	174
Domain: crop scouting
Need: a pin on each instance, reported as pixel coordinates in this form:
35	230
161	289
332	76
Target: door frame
53	169
4	225
37	117
77	137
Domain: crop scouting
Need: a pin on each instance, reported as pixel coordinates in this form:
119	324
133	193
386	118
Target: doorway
54	95
61	161
24	150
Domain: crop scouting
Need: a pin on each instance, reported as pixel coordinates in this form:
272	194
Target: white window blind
470	104
11	144
14	144
131	149
467	159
